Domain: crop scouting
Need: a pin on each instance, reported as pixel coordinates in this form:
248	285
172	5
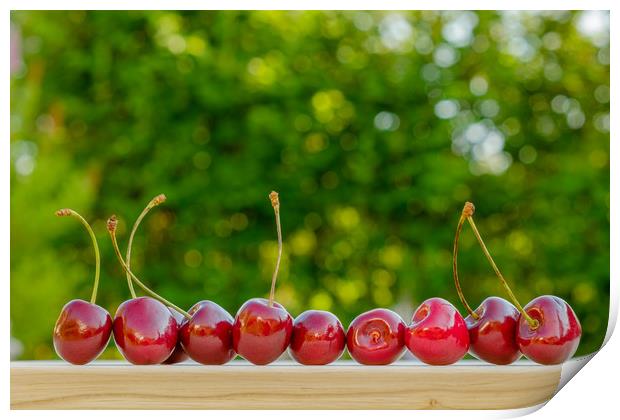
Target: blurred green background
375	127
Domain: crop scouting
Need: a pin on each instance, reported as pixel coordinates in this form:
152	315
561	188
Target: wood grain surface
282	385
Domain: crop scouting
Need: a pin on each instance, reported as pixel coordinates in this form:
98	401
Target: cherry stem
153	203
455	251
275	203
112	222
73	213
531	321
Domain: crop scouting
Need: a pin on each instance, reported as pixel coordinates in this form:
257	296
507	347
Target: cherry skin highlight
376	337
438	334
493	336
318	338
82	332
207	335
557	335
261	333
145	331
178	354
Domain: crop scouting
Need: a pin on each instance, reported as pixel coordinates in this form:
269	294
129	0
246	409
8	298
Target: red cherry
178	354
438	333
82	332
207	336
262	328
83	329
557	335
318	338
376	337
261	332
145	331
492	327
492	337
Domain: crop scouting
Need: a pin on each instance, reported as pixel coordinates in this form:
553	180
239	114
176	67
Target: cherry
493	325
262	328
492	335
318	338
82	332
178	355
548	331
438	333
207	335
261	333
376	337
556	338
145	330
83	329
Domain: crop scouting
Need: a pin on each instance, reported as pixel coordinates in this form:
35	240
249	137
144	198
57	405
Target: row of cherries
152	330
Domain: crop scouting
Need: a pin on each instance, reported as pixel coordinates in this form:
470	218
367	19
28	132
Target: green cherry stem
455	251
73	213
469	215
112	222
153	203
275	203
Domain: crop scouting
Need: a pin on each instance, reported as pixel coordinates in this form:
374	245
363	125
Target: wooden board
282	385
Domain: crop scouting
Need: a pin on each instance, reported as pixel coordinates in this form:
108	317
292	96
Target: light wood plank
283	385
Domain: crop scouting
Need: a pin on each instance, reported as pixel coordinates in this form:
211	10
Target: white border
593	395
310	5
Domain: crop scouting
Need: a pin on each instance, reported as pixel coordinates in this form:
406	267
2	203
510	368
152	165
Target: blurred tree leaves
374	127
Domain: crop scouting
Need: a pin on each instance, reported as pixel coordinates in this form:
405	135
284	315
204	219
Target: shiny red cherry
82	332
557	335
493	336
178	354
83	329
145	331
261	332
376	337
263	328
438	333
318	338
207	335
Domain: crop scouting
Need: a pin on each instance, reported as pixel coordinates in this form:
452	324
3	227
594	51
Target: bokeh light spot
478	85
193	258
387	121
445	55
446	109
239	221
321	301
303	242
527	154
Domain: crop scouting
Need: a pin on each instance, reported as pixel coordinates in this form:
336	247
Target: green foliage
374	127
